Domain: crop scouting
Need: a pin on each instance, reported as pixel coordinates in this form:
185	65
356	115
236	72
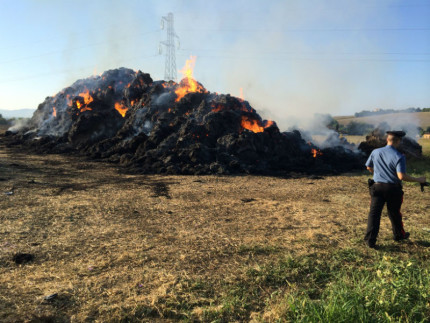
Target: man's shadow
398	247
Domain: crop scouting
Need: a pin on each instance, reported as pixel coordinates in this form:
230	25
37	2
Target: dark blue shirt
386	163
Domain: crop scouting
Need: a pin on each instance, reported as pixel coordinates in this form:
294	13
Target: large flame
255	125
188	84
87	97
121	109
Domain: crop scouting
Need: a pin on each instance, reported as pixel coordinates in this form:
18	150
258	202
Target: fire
250	124
255	125
188	84
54	112
83	96
269	123
217	108
87	97
316	153
121	108
241	94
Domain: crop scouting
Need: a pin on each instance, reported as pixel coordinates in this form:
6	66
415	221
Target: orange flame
251	124
188	84
85	109
255	125
54	112
241	94
217	108
87	97
121	109
269	123
316	153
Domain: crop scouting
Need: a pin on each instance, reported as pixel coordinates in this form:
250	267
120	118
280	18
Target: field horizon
422	118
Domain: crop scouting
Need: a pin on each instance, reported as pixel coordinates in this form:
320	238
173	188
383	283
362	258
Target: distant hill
420	118
21	113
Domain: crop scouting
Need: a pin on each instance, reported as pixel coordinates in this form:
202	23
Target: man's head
394	138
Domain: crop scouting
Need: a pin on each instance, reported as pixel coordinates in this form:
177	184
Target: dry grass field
422	118
112	247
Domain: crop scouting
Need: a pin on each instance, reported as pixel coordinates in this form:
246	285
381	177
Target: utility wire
302	53
264	57
278	31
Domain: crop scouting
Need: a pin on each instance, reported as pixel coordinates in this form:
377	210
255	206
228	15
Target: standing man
388	167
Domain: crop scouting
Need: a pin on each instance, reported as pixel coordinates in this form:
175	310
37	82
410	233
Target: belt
390	184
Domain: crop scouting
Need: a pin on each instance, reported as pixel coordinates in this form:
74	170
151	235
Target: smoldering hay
147	126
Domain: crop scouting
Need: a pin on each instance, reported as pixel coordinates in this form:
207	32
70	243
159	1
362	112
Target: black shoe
406	236
372	245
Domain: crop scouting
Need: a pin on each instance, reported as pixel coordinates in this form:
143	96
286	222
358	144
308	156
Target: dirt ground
103	241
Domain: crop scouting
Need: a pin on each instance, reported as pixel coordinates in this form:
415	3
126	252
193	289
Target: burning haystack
150	126
378	138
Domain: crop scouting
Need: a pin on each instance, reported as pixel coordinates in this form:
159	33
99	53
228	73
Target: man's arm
370	169
405	177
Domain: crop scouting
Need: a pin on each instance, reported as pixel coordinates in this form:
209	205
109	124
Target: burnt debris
378	138
150	126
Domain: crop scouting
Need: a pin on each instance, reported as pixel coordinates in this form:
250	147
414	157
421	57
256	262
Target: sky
291	58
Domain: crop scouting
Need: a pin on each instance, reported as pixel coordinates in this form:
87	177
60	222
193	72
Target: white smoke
408	122
18	125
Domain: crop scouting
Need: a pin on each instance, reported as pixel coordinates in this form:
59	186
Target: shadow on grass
423	243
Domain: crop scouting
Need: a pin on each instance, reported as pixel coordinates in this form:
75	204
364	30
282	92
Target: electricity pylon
170	65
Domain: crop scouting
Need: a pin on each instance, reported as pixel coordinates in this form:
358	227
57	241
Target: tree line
8	122
366	113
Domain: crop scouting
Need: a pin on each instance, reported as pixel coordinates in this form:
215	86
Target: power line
303	30
303	53
265	57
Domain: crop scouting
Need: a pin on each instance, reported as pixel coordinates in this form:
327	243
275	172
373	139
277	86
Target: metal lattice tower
170	73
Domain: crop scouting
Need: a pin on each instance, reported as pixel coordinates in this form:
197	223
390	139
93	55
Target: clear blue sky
290	57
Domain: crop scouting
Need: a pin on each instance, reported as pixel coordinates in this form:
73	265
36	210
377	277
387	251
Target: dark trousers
380	194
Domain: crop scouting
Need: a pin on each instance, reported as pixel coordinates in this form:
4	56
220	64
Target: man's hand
370	169
422	180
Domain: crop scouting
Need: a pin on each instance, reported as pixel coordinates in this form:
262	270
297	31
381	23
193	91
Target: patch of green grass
385	291
345	286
